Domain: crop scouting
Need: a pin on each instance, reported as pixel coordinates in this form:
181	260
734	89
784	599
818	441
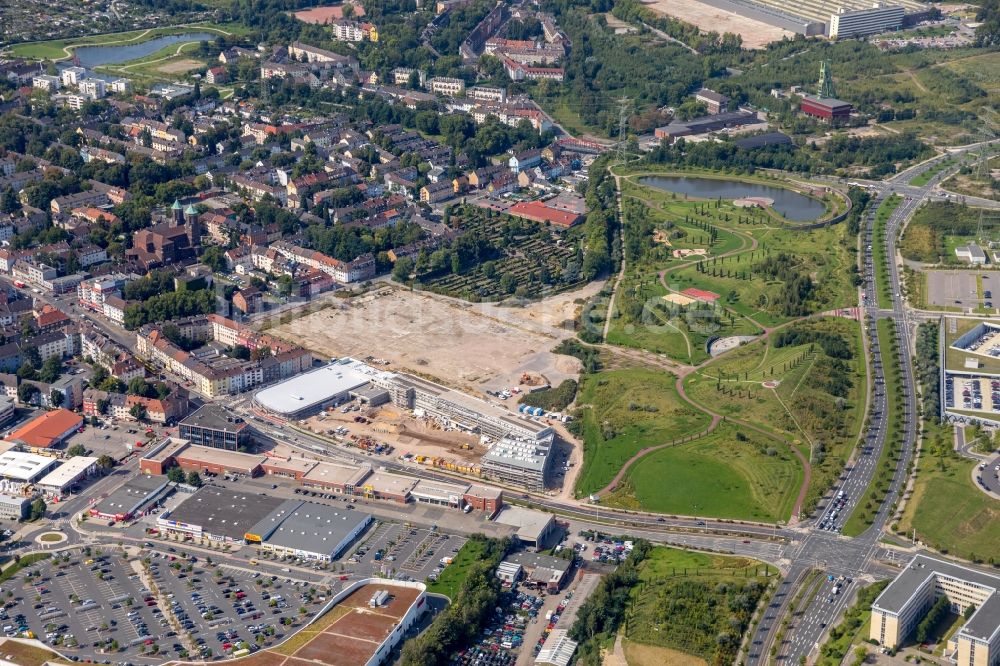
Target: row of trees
879	153
928	369
471	609
602	613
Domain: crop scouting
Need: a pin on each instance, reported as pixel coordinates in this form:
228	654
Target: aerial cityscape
500	332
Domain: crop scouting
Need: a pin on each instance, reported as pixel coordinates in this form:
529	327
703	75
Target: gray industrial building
218	514
308	530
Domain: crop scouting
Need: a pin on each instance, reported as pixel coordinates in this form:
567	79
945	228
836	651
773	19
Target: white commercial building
20	468
558	649
14	507
879	18
58	482
331	385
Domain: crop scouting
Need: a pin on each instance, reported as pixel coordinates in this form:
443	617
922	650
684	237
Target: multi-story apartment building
446	85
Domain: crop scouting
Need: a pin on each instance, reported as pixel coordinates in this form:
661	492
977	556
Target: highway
831	553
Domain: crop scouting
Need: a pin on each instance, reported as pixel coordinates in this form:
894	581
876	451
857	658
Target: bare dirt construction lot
755	34
180	66
408	434
464	345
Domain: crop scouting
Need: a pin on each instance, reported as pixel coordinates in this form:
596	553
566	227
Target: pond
113	54
794	206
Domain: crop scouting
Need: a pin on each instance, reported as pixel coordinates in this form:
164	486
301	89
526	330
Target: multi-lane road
825	549
810	545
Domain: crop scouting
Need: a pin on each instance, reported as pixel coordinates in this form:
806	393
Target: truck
445	561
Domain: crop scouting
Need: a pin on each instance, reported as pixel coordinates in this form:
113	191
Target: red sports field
701	295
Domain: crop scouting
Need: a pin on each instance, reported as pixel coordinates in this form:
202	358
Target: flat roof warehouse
313	390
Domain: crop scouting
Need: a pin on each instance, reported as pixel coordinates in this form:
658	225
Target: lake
95	56
794	206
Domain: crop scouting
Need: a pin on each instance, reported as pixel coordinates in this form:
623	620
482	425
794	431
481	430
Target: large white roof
68	472
316	386
21	466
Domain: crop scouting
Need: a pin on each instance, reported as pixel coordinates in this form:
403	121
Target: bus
19	284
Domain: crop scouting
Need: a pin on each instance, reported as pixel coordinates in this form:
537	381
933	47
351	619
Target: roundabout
51	538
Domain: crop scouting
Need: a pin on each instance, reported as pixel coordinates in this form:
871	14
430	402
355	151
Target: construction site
463	345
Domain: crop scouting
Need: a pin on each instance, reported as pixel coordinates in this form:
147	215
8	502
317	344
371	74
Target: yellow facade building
898	610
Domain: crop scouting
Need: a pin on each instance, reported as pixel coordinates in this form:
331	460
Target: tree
26	393
27	371
50	370
194	479
175	475
213	258
105	462
56	398
38	508
76	450
9	202
139	386
402	269
138	411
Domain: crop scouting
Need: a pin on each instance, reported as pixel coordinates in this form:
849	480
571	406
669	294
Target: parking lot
960	288
86	603
224	610
110	440
402	551
99	605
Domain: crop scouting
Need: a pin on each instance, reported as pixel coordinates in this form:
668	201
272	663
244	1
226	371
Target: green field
453	575
864	511
623	412
818	404
947	510
938	227
57	49
726	474
695	603
764	270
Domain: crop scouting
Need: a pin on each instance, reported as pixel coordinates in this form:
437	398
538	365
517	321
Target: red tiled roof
538	211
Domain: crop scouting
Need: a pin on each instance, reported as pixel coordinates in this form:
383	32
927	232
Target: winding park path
681	371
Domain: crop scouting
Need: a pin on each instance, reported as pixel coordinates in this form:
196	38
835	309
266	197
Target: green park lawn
744	476
807	409
947	510
624	412
681	337
453	575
